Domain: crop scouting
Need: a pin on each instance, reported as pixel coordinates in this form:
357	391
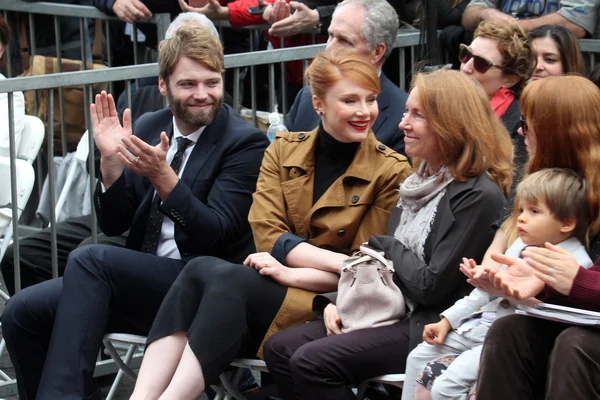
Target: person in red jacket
531	358
238	15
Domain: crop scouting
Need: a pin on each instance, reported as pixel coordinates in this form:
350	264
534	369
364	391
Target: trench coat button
355	199
341	233
504	303
301	136
381	147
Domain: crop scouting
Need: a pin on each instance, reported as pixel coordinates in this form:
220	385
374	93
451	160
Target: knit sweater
585	292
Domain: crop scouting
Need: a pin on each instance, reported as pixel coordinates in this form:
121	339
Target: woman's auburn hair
331	66
472	139
564	113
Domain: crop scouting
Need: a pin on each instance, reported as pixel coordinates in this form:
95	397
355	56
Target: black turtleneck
332	159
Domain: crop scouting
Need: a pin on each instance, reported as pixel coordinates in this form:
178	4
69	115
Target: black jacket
461	228
209	205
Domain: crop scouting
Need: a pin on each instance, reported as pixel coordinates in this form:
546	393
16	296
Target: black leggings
226	310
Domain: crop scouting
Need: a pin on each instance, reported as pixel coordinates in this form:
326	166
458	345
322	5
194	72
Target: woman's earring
321	113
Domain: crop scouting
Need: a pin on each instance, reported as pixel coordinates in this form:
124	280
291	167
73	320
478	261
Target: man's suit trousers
55	328
35	259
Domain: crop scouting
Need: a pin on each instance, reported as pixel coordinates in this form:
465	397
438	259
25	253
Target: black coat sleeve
462	228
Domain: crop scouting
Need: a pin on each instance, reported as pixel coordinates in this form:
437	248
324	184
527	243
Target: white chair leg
128	356
230	380
115	356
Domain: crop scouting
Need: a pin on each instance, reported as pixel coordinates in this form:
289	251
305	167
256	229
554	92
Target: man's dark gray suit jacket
209	205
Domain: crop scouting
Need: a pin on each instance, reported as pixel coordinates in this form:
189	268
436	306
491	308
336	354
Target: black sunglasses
481	64
524	126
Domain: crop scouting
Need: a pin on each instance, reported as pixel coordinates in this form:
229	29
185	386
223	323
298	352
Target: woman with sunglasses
557	52
501	60
530	358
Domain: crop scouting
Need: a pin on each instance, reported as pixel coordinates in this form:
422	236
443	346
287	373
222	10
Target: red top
585	292
239	17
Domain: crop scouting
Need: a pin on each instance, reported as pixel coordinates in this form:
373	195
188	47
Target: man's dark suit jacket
209	205
391	101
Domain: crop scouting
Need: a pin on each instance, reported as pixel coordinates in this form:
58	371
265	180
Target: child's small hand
436	333
468	267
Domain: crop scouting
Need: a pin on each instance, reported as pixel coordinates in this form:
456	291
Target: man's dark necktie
155	219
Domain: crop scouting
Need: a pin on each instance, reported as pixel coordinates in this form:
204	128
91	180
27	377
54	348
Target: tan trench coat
357	205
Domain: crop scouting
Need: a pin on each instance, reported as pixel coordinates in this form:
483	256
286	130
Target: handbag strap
373	253
358	261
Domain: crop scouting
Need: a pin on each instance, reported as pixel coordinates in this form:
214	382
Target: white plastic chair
31	142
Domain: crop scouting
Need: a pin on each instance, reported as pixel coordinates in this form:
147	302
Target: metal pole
12	146
432	45
87	94
253	82
53	241
61	101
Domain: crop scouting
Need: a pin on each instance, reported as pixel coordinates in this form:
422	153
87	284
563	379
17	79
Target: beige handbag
367	295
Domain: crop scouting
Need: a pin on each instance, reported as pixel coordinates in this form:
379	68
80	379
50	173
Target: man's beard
196	118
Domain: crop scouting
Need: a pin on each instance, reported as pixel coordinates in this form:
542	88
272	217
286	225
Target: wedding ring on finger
136	161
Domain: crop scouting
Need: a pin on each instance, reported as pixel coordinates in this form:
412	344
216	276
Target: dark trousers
54	330
530	358
307	364
35	251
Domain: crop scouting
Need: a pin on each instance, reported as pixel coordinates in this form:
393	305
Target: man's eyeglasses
524	126
481	64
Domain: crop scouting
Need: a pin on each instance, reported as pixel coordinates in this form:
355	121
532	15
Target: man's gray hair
194	18
380	25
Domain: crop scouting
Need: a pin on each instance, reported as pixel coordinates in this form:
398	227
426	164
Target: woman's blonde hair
564	113
563	191
472	139
515	48
331	66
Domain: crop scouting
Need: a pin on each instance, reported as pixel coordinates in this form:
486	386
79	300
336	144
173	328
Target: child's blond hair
562	190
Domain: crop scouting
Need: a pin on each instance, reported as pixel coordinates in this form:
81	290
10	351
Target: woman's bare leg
158	366
188	381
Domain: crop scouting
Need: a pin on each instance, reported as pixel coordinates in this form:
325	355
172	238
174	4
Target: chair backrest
31	139
25	180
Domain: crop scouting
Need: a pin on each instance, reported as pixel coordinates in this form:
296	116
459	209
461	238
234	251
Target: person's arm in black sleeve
468	235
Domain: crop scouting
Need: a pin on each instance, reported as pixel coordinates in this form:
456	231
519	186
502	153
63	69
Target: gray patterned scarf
420	195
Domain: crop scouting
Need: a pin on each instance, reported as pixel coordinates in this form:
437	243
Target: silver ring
137	160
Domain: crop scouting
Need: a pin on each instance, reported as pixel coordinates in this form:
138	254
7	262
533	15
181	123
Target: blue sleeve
284	245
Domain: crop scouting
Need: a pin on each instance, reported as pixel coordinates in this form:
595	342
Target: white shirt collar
194	136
